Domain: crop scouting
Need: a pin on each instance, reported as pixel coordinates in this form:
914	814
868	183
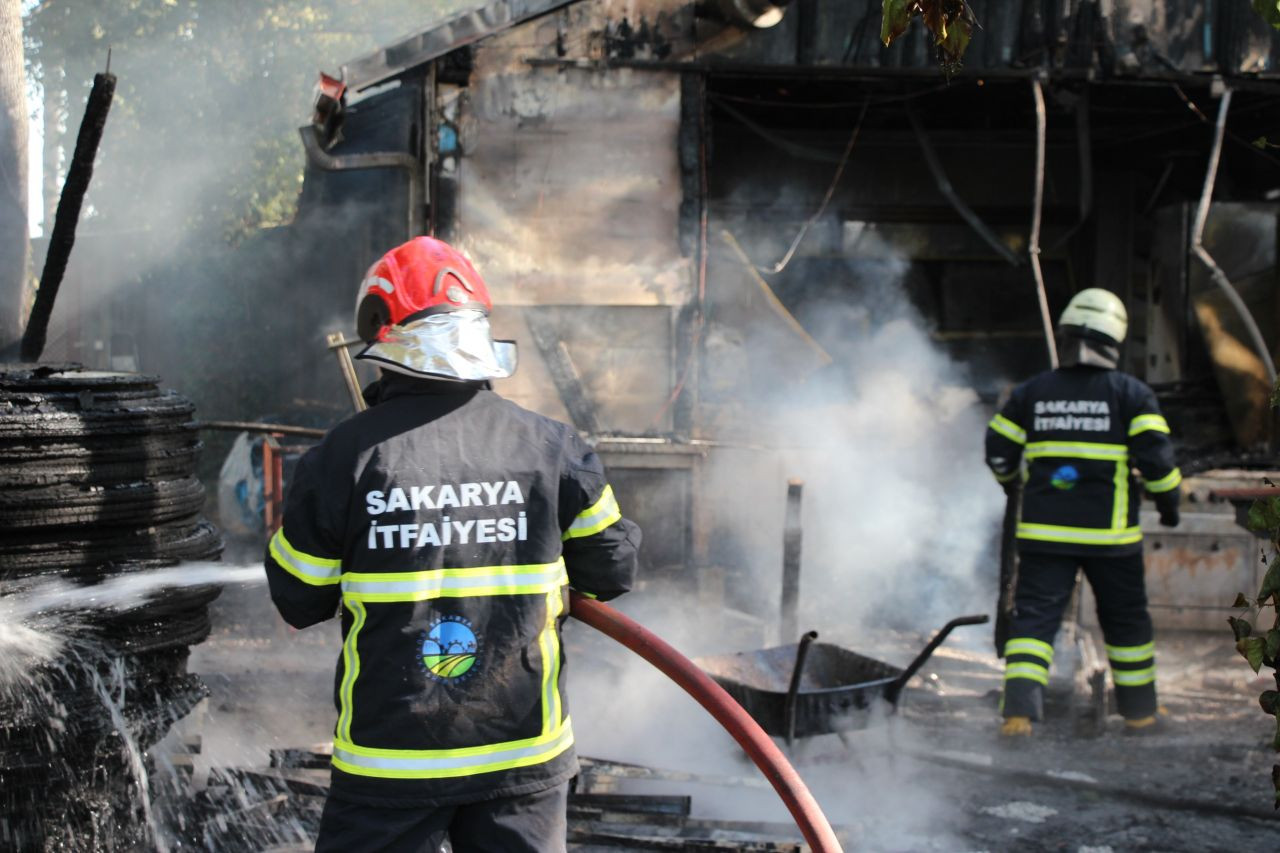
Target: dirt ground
934	776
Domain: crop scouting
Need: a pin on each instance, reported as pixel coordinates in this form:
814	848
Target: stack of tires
96	481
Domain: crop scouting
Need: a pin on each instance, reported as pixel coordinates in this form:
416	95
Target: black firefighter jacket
1075	435
447	524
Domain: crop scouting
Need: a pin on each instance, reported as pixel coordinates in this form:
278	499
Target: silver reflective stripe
1010	430
596	517
1034	672
1077	450
1142	423
317	571
450	762
454	583
1028	646
1080	535
549	644
1131	654
1133	677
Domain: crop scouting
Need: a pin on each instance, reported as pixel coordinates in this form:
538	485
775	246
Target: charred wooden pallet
278	808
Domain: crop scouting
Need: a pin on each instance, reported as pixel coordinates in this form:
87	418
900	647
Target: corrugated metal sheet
1132	38
439	39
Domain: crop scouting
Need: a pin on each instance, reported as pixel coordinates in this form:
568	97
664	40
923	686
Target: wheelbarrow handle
797	673
895	688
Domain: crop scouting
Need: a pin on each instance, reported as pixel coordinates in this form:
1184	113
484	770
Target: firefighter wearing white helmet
1069	440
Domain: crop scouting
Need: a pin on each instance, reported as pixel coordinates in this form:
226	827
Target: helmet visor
455	345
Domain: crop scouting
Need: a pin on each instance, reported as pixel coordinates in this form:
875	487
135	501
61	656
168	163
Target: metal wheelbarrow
810	688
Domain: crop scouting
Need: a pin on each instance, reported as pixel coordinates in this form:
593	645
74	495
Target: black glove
1167	503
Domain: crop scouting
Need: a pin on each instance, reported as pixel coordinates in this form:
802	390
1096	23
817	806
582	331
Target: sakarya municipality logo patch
1065	478
449	649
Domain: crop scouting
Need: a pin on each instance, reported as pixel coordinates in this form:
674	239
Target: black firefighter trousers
532	823
1045	582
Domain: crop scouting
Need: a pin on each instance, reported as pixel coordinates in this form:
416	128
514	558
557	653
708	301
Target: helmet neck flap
1080	347
451	345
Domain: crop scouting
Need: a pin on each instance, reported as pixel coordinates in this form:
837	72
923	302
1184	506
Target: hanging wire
826	199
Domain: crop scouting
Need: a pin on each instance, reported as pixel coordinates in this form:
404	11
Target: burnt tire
142	502
89	467
55	550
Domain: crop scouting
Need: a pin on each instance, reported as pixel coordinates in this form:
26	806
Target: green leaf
1241	601
1268	700
1269	10
1240	627
956	41
896	17
1275	743
1272	647
1264	515
1270	582
1252	648
1260	142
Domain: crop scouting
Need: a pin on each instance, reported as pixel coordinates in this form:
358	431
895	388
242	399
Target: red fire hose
763	751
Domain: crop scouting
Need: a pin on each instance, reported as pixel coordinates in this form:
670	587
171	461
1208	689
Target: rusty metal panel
576	169
568	197
1194	571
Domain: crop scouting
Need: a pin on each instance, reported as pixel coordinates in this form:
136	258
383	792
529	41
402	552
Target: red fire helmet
419	278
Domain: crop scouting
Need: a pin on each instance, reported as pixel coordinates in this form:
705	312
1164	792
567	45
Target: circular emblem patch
448	649
1065	477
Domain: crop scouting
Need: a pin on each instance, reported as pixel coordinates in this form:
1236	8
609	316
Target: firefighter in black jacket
1071	438
446	524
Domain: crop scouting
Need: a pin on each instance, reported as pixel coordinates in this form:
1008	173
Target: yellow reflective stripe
1006	478
317	571
1131	654
1029	646
1120	500
1167	483
532	579
450	763
1142	423
596	517
1078	450
1032	671
1133	677
1008	429
350	668
1079	535
549	645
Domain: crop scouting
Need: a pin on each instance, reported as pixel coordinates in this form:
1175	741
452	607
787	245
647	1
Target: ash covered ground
934	776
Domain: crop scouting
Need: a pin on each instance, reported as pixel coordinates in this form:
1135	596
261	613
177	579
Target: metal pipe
322	159
792	534
762	750
1033	248
793	689
1197	245
949	193
254	426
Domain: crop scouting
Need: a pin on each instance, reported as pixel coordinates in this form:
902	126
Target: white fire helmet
1096	310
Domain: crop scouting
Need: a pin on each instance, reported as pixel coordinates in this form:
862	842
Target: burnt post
63	236
791	535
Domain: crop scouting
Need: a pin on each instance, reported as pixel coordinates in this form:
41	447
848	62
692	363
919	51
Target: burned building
693	214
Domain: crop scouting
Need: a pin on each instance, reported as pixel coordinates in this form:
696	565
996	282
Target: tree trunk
52	80
14	244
